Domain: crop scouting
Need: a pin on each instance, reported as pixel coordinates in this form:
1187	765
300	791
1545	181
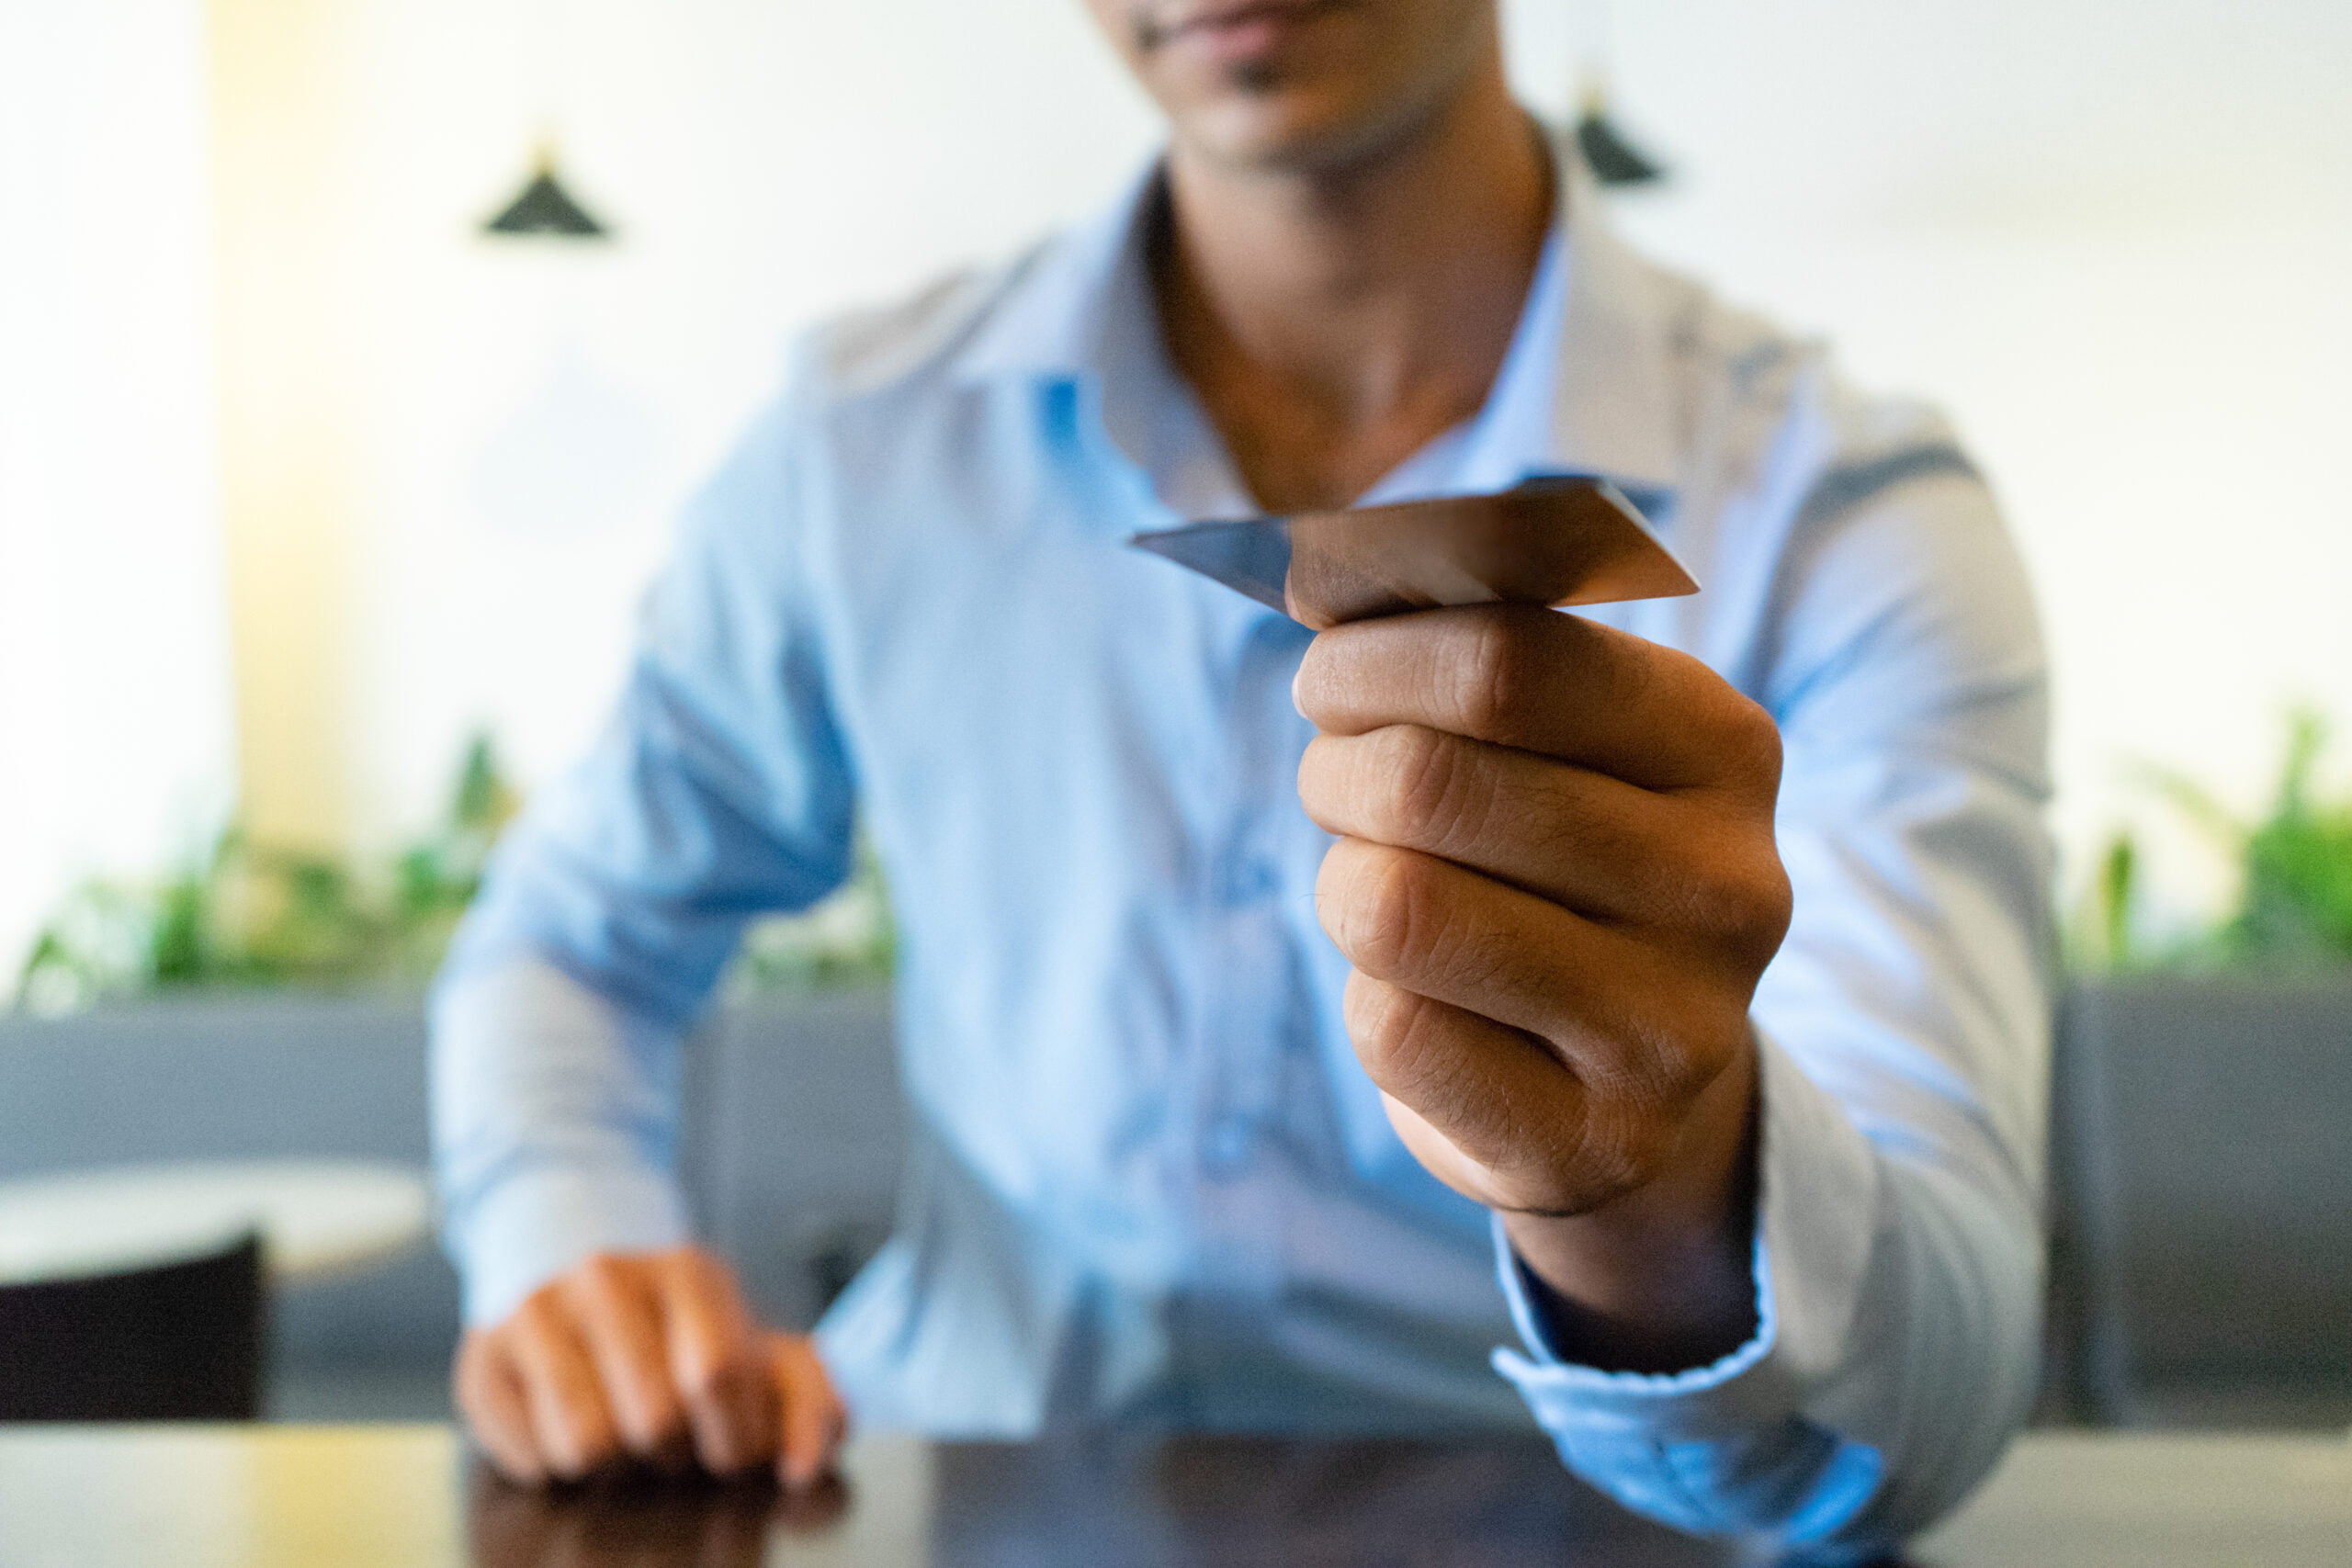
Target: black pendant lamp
545	208
1614	160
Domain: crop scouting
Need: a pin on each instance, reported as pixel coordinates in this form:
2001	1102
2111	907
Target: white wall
114	693
2110	239
540	411
2115	242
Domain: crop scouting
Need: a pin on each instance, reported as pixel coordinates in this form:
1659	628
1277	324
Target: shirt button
1226	1148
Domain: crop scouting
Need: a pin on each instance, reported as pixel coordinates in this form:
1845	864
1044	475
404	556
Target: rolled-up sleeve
718	790
1903	1038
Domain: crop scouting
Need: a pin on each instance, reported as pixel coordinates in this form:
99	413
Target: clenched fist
651	1358
1557	882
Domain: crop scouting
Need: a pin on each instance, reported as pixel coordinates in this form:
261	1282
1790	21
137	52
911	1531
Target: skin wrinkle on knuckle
1373	1024
1406	1050
1746	748
1426	782
1765	754
1375	906
1740	904
1489	678
1434	938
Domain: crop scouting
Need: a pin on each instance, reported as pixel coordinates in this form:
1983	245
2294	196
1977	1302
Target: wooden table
407	1497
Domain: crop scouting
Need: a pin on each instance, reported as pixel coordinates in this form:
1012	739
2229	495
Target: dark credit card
1551	542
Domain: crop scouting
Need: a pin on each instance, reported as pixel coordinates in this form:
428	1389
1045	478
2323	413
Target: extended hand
650	1356
1557	882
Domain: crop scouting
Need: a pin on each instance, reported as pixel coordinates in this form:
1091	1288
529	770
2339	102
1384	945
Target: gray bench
2203	1135
792	1132
2202	1140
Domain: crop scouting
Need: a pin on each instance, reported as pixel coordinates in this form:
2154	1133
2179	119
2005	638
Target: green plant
2102	939
2294	907
433	881
242	914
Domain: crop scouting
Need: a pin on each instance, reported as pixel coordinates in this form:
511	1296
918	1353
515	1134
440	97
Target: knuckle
702	1379
713	1377
592	1287
1387	920
540	1313
1495	674
1677	1081
602	1273
1732	893
1420	779
1752	904
1380	1020
1624	1150
1752	743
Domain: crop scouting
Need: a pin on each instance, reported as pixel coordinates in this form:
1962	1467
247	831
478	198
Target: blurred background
323	509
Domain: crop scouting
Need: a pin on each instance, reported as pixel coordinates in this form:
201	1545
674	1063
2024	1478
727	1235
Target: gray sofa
2202	1255
792	1137
2202	1146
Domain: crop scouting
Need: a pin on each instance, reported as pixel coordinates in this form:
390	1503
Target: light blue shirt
1150	1180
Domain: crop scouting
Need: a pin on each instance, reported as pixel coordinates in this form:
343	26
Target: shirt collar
1597	329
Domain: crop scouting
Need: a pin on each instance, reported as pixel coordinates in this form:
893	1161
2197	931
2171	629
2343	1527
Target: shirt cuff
1816	1203
549	1108
535	1225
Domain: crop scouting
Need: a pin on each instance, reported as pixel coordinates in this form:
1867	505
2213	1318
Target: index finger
1540	681
714	1359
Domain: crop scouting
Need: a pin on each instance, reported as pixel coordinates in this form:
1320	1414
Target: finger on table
714	1359
1543	681
490	1394
570	1418
613	1304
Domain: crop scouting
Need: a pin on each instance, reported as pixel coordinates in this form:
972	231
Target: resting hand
651	1358
1557	882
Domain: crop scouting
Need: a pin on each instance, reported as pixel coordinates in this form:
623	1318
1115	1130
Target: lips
1230	28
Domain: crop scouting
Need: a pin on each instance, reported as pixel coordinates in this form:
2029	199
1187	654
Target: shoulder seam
861	352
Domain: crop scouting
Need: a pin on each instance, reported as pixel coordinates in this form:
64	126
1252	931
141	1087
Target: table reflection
1497	1502
1091	1498
640	1521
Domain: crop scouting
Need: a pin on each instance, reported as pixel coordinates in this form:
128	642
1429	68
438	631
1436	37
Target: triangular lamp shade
1614	161
545	207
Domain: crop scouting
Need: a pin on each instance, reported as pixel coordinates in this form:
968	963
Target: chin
1295	84
1291	129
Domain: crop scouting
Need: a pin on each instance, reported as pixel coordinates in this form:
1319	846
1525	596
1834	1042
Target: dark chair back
178	1342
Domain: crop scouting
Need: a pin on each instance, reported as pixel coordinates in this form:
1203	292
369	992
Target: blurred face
1298	85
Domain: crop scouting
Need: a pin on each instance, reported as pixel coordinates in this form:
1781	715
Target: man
1288	1021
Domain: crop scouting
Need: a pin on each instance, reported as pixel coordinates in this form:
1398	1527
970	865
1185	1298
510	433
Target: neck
1335	319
